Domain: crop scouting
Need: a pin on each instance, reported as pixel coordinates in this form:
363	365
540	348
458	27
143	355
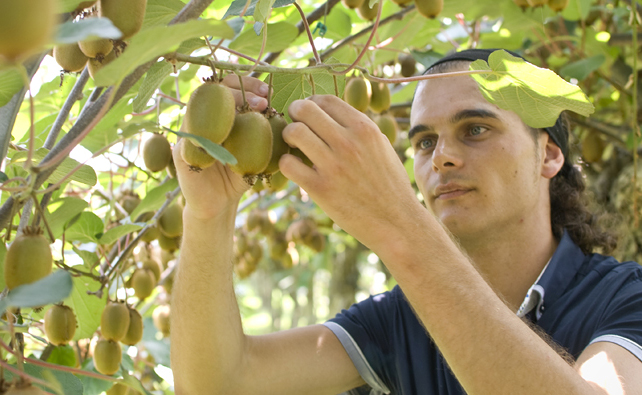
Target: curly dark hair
571	208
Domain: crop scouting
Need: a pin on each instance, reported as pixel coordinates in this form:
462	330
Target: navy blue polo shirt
579	299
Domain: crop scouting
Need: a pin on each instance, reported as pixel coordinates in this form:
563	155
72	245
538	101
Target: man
485	177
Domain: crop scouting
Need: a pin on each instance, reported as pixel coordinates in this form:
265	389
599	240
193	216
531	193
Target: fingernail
255	101
264	89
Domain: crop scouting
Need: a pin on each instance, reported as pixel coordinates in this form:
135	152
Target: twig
74	95
52	239
307	29
263	44
25	376
171	99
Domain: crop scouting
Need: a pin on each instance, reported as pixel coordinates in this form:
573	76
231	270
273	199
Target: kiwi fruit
522	3
85	4
118	389
402	2
107	356
279	146
196	157
316	241
153	266
126	15
166	257
169	243
170	222
301	231
135	329
408	65
161	319
28	258
250	141
70	57
152	234
26	26
557	5
388	126
129	201
276	182
592	147
114	321
259	185
299	154
379	97
367	13
143	281
278	246
171	168
537	3
352	4
94	65
96	49
24	389
60	324
429	8
356	94
157	153
210	112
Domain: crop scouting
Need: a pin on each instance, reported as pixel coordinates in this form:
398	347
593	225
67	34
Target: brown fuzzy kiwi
171	168
135	330
259	185
522	3
28	258
367	13
379	97
356	94
429	8
114	321
537	3
196	157
276	182
278	246
557	5
301	231
153	266
250	141
151	234
107	356
157	153
70	57
118	389
316	241
210	112
402	2
94	65
169	282
170	222
169	243
279	146
408	65
143	282
96	49
166	257
24	389
60	324
592	147
126	15
388	126
352	4
129	202
161	316
26	26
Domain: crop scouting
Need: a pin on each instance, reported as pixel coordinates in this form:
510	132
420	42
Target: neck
511	260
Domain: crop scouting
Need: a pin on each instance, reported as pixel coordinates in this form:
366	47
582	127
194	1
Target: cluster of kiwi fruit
555	5
372	98
126	15
119	322
428	8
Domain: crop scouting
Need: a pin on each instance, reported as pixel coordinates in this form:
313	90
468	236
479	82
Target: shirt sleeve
363	331
622	324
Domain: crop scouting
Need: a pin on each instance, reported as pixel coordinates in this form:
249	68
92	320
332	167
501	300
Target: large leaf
87	229
88	308
291	87
160	12
51	289
67	382
85	175
154	198
10	84
280	36
67	208
114	234
537	95
237	7
156	41
71	32
577	9
583	67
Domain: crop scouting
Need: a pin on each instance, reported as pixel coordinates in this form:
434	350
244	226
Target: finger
299	135
340	111
309	113
295	170
256	103
250	84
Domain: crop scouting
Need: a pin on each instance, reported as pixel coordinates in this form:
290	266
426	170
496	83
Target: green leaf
68	207
237	7
215	150
154	198
577	9
262	10
85	175
3	177
88	308
63	355
160	12
91	385
280	36
106	131
69	383
537	95
87	229
91	28
114	234
156	41
291	87
10	84
89	258
51	289
582	68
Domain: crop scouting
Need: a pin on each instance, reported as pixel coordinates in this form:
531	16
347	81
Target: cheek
422	168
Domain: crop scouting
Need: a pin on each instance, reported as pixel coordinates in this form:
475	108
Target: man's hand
210	190
357	178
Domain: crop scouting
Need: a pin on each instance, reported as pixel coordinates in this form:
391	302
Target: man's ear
553	158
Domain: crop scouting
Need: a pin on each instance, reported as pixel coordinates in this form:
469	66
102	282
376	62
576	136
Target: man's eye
425	144
477	130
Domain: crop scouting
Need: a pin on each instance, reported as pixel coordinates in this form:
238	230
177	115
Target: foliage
73	146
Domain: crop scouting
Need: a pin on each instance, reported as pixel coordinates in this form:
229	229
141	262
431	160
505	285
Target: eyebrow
458	117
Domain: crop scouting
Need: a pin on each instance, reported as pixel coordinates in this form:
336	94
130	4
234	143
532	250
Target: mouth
450	191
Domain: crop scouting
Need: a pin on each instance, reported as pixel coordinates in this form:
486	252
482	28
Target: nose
446	155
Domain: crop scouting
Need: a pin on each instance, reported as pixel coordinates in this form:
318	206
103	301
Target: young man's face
477	165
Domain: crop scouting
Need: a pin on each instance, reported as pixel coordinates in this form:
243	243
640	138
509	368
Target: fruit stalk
307	29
